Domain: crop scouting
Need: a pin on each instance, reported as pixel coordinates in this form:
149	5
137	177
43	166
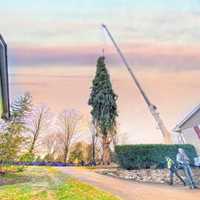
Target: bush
27	157
150	155
20	168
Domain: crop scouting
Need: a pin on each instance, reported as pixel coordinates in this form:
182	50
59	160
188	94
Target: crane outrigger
152	108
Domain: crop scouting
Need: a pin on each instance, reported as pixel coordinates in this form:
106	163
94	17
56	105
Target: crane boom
152	108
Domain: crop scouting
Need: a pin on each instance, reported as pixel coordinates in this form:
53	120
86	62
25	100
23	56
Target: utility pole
4	84
152	108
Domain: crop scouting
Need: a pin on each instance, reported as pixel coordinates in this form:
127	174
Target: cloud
24	55
161	56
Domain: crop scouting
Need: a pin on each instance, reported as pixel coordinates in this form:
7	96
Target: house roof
186	118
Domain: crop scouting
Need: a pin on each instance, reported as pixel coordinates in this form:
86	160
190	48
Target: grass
46	183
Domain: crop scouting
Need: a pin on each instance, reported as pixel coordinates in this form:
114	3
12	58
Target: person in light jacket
184	163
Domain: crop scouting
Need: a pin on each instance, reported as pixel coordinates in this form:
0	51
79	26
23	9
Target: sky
53	47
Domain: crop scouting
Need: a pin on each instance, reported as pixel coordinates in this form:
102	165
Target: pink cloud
143	54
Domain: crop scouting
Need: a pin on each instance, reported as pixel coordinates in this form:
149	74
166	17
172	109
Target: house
189	129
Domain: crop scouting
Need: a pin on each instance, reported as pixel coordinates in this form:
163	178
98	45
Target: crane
152	108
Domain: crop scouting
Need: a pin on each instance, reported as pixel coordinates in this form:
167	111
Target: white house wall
191	137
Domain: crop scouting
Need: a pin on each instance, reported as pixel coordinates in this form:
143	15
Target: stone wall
148	175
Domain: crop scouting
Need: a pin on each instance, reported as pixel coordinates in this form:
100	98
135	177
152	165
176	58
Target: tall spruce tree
104	107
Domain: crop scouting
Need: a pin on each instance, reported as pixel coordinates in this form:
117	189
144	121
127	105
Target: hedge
144	156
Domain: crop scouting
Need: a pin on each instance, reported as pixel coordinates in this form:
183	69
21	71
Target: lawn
46	183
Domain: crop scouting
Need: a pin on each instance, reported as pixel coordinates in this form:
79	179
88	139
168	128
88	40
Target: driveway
129	190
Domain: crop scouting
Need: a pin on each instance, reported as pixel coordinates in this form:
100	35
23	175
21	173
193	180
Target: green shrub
27	157
151	155
20	168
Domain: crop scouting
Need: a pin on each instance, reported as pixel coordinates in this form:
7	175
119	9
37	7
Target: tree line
33	133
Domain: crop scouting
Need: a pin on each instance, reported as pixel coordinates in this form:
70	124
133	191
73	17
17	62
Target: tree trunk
106	159
65	154
93	151
32	147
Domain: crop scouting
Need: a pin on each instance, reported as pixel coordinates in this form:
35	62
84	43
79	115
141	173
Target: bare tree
49	143
39	123
69	121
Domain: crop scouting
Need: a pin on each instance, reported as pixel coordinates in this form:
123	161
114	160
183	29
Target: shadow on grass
13	178
34	176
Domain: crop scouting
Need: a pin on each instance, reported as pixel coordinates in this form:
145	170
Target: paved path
129	190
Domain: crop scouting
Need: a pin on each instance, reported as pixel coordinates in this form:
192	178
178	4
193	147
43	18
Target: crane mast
152	108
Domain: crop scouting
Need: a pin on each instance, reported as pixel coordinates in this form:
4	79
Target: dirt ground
130	190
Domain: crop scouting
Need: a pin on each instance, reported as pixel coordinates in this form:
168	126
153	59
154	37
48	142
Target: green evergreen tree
11	133
104	107
21	108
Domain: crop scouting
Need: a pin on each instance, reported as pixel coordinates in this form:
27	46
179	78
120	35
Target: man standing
173	170
184	162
